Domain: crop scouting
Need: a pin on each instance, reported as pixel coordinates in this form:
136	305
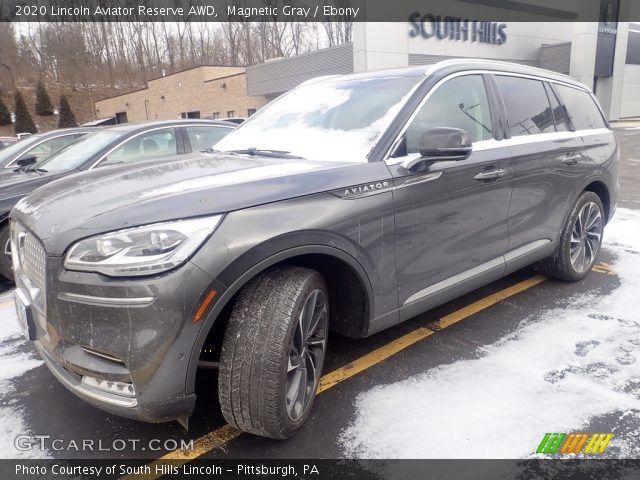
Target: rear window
528	109
582	109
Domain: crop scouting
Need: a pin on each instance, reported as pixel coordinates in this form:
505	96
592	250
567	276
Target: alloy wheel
306	354
586	237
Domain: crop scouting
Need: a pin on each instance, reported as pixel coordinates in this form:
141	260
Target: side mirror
26	161
440	144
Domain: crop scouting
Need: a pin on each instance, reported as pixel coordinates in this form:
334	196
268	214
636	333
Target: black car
124	144
350	203
34	148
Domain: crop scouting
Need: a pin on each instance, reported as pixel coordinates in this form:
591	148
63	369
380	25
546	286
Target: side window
158	143
49	147
459	103
528	109
582	109
203	138
559	113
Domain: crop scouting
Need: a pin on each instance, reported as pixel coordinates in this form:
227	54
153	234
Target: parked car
6	141
124	144
36	147
350	203
236	120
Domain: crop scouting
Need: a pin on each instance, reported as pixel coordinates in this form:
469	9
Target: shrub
67	118
24	122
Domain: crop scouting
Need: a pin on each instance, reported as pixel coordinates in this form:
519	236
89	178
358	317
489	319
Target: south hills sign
454	28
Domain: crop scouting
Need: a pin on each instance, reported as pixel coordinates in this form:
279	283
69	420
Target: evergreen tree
5	115
43	102
66	118
24	122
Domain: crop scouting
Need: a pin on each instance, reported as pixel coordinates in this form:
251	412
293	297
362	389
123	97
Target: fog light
116	388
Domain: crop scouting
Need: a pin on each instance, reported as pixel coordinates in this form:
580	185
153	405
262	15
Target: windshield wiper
263	153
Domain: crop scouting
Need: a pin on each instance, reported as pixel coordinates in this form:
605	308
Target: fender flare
239	282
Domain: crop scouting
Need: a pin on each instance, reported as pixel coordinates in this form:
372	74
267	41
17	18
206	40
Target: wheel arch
350	293
600	188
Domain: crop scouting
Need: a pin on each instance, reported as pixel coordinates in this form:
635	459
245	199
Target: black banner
305	10
571	469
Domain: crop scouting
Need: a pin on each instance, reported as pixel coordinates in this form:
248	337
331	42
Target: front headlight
145	250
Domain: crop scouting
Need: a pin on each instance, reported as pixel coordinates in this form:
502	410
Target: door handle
490	175
570	160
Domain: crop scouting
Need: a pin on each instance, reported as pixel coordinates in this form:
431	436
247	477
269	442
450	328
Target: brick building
199	92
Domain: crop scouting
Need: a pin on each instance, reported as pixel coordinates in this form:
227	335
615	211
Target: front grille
34	261
30	264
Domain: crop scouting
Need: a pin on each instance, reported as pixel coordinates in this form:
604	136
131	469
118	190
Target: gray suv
349	204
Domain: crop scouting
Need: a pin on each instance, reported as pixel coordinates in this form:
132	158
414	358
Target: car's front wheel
273	352
580	241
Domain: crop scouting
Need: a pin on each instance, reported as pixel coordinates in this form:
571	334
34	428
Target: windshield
337	120
7	154
78	152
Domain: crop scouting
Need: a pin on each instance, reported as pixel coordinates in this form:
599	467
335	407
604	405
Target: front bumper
155	412
136	333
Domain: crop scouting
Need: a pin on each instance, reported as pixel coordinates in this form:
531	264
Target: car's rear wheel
580	241
6	266
273	352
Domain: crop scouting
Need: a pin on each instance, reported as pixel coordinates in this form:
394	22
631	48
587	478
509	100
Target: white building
605	56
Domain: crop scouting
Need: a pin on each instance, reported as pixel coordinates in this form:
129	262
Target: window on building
204	137
121	117
231	113
459	103
527	105
582	109
633	44
154	144
190	114
251	111
215	115
559	114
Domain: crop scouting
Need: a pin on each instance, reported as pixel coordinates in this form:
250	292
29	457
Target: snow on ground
560	370
14	362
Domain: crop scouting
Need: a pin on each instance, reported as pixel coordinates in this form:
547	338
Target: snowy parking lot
561	369
554	357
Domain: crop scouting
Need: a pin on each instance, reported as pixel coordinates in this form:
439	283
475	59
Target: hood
15	185
114	198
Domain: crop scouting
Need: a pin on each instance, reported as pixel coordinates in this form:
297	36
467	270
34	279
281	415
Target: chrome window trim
62	134
103	157
540	137
489	143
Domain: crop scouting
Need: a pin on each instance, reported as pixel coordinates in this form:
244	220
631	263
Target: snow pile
14	362
560	370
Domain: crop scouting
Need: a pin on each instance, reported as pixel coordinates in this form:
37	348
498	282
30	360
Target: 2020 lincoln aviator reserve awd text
349	204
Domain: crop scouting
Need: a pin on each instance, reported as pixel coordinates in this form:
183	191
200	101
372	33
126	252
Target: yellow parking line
486	302
222	435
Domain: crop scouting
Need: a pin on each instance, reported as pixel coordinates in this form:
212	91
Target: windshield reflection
338	120
78	152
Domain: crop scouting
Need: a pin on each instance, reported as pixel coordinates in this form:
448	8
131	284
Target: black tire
6	265
559	265
257	374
